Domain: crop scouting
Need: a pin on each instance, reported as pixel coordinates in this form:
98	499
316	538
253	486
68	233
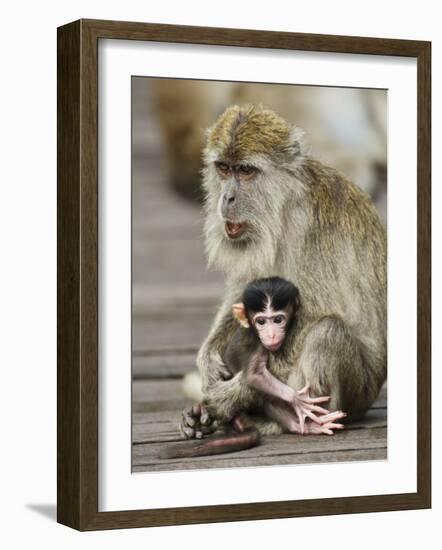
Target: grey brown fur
309	224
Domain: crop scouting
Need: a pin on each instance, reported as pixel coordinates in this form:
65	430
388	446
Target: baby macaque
268	311
266	316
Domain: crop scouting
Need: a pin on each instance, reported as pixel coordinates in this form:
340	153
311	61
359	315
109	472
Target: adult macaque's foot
196	422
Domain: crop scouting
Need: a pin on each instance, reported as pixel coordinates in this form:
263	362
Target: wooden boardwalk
174	301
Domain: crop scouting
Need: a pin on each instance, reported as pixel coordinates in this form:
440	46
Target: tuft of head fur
279	293
248	131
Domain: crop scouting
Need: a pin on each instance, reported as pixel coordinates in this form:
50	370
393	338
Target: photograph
259	274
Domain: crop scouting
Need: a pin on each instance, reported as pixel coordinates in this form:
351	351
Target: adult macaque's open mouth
234	230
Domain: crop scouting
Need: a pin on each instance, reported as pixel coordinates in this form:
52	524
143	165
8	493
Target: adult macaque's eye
246	170
222	167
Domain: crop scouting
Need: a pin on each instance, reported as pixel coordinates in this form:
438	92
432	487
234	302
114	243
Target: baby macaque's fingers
319	430
304	389
330	417
316	409
322	399
301	418
312	416
199	434
333	426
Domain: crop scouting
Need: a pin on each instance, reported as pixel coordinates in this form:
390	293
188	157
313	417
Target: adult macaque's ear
239	312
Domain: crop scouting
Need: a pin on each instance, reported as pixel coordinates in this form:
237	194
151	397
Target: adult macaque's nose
229	198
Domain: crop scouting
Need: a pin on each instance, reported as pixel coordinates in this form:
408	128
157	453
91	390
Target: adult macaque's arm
226	399
209	358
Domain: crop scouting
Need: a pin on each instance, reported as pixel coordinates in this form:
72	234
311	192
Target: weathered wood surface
174	301
157	404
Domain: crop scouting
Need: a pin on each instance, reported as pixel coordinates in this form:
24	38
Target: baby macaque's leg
196	422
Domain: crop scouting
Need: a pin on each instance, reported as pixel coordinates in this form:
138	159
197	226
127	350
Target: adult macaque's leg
333	362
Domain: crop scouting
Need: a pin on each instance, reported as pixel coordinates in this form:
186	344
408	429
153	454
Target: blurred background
174	296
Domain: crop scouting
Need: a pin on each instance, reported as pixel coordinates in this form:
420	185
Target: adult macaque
266	316
273	210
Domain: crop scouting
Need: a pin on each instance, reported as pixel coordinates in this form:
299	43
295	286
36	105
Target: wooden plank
289	444
272	451
173	365
157	406
158	395
149	390
157	410
168	300
235	462
180	330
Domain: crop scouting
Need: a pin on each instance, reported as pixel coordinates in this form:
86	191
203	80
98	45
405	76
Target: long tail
229	443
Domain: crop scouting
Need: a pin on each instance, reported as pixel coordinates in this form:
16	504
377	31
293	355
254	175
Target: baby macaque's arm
258	377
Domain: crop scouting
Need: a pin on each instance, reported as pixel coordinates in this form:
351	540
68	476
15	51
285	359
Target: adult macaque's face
236	190
271	327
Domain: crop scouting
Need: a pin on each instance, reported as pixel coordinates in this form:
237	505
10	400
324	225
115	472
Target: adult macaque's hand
196	422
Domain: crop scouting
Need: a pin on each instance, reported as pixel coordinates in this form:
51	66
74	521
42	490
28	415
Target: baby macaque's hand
196	422
307	407
327	428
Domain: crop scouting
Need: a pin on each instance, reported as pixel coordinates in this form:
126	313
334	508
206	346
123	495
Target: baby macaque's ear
239	312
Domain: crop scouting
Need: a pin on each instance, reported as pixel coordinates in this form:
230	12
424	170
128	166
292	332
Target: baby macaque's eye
261	321
278	319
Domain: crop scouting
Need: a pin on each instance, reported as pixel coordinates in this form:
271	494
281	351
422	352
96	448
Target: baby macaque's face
271	327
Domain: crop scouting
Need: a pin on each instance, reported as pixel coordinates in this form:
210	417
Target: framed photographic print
236	340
